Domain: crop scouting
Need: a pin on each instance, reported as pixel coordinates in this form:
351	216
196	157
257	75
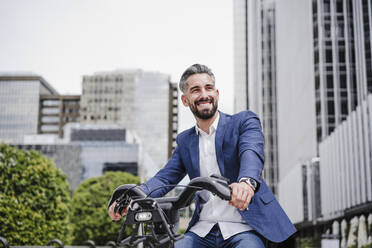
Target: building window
339	6
326	6
341	56
331	108
328	56
330	82
344	108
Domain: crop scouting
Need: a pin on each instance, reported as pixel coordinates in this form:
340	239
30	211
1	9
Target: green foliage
367	246
308	242
34	198
89	208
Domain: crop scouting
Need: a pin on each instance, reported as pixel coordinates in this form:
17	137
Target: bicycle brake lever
121	203
117	208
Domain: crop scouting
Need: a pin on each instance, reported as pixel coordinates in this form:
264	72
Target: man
231	146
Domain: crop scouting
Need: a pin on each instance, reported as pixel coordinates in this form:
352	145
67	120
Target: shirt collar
212	128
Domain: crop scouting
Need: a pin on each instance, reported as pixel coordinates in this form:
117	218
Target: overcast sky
64	40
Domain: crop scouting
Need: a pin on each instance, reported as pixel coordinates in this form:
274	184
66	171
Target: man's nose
203	93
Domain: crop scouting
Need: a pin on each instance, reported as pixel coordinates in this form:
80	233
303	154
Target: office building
57	110
173	117
320	59
103	148
347	153
136	100
241	54
88	151
255	73
322	76
19	104
342	59
66	157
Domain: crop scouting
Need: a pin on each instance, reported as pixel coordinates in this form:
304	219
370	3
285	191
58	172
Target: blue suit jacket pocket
267	197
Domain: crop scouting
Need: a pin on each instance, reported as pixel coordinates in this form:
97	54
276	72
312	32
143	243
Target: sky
64	40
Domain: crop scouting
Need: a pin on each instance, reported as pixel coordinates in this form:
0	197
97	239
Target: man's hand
116	216
241	195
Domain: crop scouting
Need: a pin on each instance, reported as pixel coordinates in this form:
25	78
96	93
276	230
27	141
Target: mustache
209	100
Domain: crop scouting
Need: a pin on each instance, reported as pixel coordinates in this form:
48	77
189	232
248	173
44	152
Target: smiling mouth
203	102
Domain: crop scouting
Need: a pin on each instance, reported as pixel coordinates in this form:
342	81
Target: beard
204	114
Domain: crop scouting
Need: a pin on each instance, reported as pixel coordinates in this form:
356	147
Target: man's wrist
251	182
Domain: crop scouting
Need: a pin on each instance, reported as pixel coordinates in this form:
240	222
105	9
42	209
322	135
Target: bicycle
156	218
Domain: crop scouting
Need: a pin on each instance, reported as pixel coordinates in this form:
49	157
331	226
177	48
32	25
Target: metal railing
59	244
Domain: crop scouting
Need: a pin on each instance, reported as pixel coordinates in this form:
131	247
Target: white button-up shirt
215	210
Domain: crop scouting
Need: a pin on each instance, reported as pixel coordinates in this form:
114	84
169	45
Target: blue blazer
240	153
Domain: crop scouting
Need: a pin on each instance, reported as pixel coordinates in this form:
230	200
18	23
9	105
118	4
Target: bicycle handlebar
215	184
164	210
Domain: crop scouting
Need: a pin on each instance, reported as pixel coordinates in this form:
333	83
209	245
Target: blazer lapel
194	153
219	141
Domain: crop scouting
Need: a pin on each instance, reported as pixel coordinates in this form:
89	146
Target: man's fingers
244	201
241	195
125	211
233	194
112	214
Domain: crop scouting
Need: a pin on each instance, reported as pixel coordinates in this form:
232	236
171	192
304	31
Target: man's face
201	96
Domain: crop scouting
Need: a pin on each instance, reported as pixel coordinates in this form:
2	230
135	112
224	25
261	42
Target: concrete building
136	100
322	75
347	153
342	59
89	150
32	106
57	110
322	72
241	36
103	148
66	157
297	141
255	73
346	179
19	104
173	117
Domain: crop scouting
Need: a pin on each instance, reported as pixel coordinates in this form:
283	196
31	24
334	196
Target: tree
34	198
89	208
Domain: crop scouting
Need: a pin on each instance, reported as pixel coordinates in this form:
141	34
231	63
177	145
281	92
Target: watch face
253	182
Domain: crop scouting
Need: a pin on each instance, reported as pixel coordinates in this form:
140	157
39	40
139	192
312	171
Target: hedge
90	219
34	198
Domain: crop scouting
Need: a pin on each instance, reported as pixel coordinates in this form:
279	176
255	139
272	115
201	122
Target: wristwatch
251	182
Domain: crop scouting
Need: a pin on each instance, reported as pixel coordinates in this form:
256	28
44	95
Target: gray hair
194	69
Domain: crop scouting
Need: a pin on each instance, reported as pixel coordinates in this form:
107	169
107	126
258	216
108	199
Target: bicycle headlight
143	216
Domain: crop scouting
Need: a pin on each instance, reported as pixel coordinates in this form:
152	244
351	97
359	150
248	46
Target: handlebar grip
126	191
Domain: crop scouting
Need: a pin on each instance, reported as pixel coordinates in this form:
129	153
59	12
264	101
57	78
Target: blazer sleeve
172	173
251	147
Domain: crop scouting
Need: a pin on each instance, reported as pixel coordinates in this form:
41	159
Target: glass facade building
319	65
19	104
342	59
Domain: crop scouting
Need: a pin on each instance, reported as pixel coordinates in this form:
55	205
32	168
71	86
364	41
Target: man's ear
184	100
